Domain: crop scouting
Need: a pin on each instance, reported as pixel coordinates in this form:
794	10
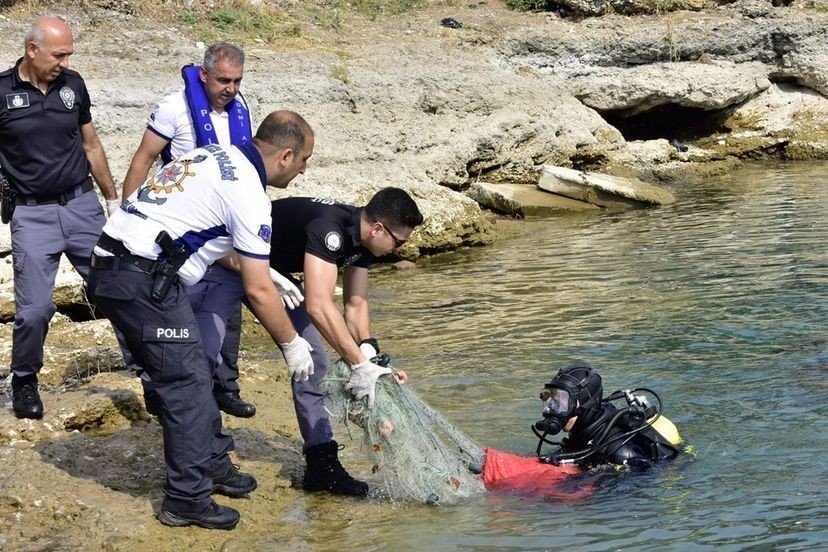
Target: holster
166	271
6	199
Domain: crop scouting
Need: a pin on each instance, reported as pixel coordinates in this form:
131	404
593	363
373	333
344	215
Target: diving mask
558	407
557	402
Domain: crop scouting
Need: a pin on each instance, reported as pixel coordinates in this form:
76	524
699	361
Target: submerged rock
521	200
601	189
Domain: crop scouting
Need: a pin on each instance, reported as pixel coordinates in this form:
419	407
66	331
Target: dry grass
241	21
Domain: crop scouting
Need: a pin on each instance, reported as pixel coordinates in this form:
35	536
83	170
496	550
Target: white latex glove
112	205
368	350
298	358
291	295
364	380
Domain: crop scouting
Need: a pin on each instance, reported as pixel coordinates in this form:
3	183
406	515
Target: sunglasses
397	241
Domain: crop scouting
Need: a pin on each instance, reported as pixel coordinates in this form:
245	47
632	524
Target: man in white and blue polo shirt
205	206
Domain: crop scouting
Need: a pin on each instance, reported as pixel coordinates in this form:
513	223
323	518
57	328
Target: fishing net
415	451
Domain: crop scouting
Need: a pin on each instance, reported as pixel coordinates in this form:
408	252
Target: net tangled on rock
415	451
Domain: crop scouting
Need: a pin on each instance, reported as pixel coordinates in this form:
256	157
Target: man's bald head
46	28
48	45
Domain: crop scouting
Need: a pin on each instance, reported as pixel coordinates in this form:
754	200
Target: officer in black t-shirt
318	237
48	147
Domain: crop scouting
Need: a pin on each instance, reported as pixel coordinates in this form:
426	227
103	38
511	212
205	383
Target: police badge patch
265	232
68	97
333	241
16	101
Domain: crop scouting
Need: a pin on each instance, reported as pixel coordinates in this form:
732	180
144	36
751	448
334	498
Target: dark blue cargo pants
165	340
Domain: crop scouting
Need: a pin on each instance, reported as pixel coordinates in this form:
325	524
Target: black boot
25	398
152	402
229	481
232	403
215	516
325	473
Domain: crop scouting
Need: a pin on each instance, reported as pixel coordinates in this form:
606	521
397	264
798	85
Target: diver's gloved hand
364	380
298	358
291	294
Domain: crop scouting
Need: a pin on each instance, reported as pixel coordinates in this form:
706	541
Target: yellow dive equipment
666	429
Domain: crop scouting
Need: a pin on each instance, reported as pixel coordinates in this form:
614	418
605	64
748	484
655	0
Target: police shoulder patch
265	232
333	241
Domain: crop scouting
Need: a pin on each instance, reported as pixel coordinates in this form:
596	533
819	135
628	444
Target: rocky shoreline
666	98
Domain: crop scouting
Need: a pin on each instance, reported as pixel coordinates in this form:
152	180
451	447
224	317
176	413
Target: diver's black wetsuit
600	445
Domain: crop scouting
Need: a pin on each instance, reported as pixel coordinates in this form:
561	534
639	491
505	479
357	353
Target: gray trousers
39	235
214	301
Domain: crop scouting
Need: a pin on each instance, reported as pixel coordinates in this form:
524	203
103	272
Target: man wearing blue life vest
48	148
202	207
209	110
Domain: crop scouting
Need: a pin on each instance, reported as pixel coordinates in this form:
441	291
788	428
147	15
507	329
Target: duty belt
121	255
61	198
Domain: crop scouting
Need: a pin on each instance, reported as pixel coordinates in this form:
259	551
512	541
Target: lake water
718	302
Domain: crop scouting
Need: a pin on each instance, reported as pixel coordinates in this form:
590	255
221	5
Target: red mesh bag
528	476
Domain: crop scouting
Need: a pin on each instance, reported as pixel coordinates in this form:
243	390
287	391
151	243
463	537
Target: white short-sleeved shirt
212	199
172	121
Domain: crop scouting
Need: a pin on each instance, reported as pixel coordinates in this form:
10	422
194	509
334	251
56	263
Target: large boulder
707	86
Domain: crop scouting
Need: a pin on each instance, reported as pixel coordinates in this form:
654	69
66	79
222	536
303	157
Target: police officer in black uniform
48	147
317	237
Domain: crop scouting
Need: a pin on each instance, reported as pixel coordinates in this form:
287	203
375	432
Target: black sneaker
25	398
232	403
234	483
215	516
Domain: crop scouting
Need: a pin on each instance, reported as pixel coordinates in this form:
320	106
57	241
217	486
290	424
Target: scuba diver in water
636	434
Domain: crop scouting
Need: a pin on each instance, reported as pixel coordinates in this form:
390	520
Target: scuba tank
666	429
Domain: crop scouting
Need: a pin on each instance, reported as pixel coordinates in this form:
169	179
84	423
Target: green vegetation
527	5
240	21
340	73
235	20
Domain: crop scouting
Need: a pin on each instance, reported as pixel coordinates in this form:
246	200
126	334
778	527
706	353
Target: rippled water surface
719	302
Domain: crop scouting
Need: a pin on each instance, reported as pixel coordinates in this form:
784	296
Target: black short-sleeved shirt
321	227
41	148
